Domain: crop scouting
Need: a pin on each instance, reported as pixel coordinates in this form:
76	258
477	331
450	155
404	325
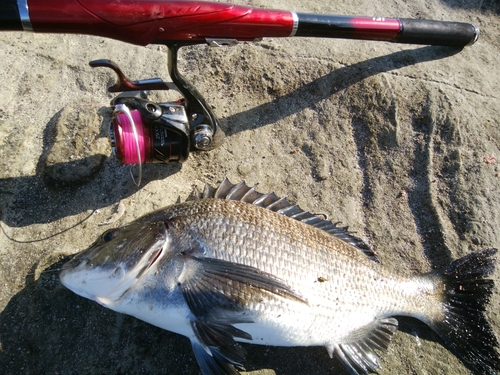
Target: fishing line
48	237
128	146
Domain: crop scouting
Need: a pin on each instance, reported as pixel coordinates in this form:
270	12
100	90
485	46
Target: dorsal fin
242	192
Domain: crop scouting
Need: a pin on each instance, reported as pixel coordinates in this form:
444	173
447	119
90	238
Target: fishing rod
146	132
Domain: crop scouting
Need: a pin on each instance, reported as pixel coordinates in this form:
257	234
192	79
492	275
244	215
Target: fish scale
302	251
234	265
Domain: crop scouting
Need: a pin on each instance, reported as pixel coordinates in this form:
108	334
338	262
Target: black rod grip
9	16
453	34
396	30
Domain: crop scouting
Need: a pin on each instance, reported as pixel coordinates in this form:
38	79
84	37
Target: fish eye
109	235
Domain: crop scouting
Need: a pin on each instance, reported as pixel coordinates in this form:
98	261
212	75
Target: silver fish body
235	265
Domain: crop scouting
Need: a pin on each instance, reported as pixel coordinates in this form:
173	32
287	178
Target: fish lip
72	264
72	260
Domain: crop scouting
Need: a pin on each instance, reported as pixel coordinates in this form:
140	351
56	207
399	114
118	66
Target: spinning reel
142	131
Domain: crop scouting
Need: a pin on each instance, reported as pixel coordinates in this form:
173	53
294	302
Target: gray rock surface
399	142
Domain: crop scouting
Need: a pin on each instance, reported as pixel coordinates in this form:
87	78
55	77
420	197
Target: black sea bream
233	265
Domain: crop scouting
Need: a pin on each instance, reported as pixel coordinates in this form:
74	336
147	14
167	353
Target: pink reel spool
127	149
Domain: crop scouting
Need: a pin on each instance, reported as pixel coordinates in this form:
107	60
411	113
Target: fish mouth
74	261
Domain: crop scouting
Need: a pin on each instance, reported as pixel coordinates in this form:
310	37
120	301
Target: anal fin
360	356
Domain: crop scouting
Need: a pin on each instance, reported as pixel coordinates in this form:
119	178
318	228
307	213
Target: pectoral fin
211	286
217	293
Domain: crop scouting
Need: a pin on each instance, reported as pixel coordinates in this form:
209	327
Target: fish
231	265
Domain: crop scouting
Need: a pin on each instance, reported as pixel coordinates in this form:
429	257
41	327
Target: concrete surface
399	142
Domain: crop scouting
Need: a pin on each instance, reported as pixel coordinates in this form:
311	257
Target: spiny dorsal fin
242	192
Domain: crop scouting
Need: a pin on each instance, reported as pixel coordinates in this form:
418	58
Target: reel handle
125	84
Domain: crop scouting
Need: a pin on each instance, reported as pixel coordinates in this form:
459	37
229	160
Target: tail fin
464	328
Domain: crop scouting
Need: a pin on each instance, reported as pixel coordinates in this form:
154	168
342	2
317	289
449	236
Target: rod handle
454	34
